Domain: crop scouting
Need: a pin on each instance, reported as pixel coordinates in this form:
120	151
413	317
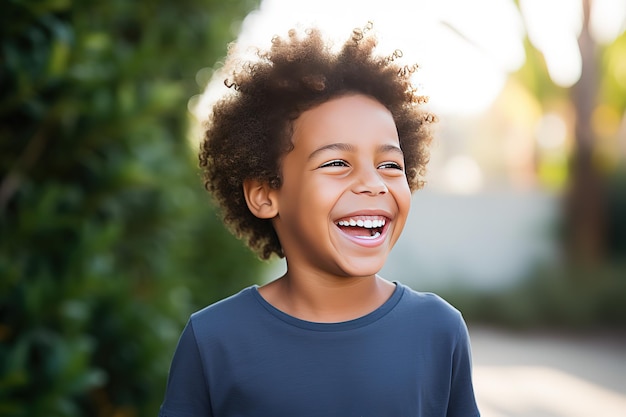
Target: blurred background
108	241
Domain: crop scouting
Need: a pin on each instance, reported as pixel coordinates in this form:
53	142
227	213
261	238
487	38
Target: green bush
569	297
107	239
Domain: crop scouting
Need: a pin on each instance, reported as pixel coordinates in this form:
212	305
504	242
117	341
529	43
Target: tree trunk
585	199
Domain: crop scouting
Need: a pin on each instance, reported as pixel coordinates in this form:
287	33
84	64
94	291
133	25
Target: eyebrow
346	147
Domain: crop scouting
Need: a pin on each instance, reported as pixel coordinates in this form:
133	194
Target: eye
334	163
392	165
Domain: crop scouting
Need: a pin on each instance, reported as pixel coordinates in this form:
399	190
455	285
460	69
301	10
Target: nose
369	181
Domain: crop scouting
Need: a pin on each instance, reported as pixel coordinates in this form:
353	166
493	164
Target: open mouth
363	227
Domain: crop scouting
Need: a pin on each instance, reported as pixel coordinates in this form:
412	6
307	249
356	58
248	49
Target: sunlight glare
553	27
607	20
463	175
551	131
463	67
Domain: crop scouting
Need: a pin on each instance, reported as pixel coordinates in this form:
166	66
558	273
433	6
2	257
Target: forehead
350	117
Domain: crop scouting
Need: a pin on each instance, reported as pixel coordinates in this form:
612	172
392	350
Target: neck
327	299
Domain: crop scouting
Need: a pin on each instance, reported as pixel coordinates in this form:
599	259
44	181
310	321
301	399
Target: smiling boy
314	158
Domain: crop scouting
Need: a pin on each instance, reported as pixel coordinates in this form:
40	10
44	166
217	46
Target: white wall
484	241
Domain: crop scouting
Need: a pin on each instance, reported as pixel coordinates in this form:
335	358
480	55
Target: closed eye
334	163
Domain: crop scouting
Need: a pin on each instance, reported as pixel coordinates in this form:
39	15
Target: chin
361	270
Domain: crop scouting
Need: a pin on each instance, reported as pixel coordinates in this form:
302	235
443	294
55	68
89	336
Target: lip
368	242
367	212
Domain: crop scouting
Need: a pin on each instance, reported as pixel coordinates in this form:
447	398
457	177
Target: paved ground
549	374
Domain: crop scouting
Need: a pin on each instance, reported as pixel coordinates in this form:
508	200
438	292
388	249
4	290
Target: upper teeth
368	224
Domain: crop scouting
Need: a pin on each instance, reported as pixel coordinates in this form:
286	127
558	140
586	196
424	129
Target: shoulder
430	311
227	312
422	302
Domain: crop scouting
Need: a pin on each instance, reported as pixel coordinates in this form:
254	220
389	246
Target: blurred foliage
612	64
108	240
553	297
568	293
611	89
592	228
617	219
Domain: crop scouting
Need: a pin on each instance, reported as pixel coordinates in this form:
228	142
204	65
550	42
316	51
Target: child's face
344	198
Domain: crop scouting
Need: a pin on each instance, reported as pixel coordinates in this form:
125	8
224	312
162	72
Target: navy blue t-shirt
243	357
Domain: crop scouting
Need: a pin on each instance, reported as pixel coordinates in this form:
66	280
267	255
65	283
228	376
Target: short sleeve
186	394
462	402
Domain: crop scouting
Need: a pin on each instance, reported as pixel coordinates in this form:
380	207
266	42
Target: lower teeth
374	236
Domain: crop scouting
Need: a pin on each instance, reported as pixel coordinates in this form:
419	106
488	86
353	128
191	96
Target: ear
260	198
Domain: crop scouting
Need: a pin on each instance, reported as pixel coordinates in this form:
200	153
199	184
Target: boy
314	157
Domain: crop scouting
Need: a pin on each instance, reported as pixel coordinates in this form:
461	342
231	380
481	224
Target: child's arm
186	394
462	402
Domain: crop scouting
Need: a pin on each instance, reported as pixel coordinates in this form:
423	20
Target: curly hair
249	131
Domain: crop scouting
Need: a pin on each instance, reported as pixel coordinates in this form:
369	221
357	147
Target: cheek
406	195
319	189
305	197
402	196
